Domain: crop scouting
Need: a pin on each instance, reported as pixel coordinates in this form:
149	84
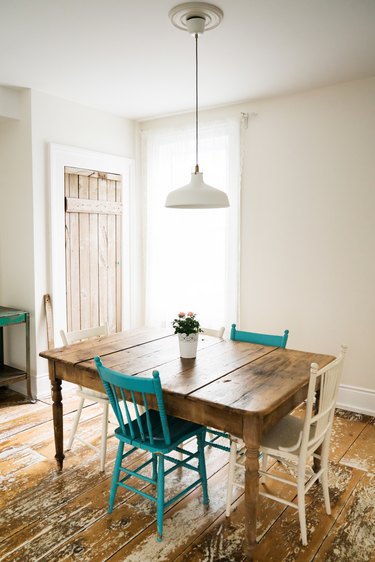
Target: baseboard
356	399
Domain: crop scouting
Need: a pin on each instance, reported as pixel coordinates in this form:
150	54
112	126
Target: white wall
63	122
308	223
25	261
16	223
308	217
11	102
15	204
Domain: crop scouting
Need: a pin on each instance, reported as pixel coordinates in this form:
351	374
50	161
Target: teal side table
8	374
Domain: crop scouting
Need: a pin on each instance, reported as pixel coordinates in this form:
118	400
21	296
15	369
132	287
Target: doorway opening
111	198
93	249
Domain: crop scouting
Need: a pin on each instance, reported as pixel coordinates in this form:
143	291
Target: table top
226	376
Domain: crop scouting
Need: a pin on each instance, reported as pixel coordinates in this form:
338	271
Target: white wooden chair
88	394
298	440
216	333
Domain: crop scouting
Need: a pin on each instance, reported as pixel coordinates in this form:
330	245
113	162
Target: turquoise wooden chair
261	339
153	431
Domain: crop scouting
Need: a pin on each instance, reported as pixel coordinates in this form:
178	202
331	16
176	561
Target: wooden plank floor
47	516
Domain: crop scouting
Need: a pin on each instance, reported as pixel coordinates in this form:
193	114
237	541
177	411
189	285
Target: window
192	256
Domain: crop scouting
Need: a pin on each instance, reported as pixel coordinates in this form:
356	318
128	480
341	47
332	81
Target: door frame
59	157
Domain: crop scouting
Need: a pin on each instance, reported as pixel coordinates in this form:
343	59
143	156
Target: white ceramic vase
188	345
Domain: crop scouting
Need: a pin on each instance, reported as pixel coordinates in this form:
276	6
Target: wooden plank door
93	233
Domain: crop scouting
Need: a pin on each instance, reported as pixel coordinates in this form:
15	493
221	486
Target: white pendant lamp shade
197	195
196	17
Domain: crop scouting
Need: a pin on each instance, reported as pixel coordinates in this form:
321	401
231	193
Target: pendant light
196	17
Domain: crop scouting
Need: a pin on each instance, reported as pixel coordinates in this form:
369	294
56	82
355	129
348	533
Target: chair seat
284	434
179	429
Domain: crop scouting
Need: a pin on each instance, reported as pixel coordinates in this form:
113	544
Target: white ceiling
125	57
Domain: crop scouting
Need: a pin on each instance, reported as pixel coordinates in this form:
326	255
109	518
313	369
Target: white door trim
59	157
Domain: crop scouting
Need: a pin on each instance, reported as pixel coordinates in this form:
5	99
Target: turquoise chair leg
202	466
160	498
154	466
115	476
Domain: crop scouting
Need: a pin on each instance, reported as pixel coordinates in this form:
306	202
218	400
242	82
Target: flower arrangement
186	324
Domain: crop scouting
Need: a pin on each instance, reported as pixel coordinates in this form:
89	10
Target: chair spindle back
119	387
261	339
212	332
80	335
317	424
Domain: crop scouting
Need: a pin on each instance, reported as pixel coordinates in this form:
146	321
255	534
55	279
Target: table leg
57	411
28	373
1	347
252	441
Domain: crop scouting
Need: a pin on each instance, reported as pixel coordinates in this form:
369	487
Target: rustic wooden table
237	387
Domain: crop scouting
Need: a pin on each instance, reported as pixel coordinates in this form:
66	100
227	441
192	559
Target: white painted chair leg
232	466
180	455
302	519
264	467
327	502
75	423
141	409
103	446
264	461
324	476
301	503
209	437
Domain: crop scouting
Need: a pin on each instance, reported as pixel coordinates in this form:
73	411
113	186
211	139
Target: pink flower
181	314
190	313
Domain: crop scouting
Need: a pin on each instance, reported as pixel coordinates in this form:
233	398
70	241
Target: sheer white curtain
192	256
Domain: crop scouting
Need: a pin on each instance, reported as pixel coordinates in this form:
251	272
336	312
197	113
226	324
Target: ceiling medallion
212	15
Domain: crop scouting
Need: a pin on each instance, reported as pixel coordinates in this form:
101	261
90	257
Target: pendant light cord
196	104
